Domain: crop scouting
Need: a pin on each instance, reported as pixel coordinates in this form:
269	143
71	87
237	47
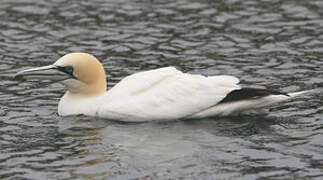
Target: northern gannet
160	94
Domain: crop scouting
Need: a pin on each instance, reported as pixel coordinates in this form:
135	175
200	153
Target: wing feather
165	94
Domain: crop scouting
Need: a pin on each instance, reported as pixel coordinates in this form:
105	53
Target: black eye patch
66	69
69	69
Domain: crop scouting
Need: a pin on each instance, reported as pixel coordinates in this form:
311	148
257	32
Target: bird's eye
68	69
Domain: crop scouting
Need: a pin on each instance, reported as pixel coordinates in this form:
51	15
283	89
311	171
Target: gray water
275	44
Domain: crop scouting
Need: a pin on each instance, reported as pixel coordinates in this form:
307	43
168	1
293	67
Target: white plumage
164	94
160	94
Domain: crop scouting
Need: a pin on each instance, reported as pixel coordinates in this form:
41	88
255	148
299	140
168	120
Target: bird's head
81	73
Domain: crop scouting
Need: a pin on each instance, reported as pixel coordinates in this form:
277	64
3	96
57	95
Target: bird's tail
299	93
234	104
273	99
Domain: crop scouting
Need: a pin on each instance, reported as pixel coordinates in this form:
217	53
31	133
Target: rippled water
275	44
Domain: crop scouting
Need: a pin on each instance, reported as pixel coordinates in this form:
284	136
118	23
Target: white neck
71	104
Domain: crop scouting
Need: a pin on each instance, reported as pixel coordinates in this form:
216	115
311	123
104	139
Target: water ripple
274	44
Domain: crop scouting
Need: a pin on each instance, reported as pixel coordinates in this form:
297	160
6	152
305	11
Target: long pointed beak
50	72
21	73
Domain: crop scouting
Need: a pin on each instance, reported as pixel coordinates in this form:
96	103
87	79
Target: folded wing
165	94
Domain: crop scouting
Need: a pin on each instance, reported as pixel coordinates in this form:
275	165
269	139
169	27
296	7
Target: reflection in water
273	44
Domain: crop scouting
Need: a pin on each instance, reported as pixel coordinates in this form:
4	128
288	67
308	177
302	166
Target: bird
159	94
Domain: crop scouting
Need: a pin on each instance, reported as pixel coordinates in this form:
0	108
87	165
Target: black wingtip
249	93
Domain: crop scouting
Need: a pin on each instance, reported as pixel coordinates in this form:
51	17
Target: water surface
270	44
